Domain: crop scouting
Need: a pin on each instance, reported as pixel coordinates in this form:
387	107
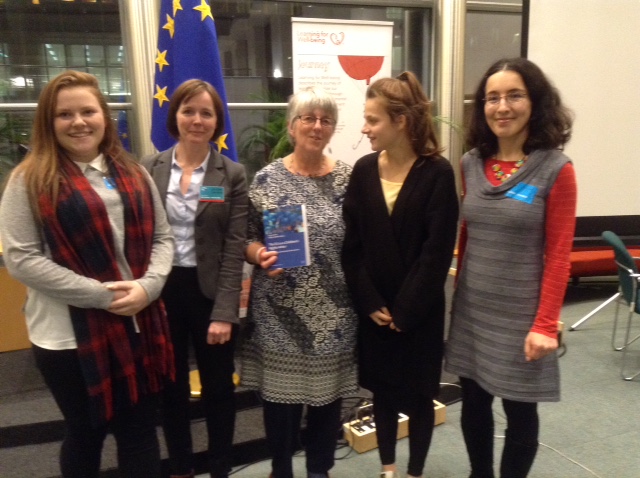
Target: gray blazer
220	229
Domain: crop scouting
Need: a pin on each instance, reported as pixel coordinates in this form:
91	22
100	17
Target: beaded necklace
503	176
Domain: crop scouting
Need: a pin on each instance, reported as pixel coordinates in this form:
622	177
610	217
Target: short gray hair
311	98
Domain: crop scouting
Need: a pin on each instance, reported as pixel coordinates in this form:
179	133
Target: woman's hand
537	346
129	298
219	332
266	259
382	317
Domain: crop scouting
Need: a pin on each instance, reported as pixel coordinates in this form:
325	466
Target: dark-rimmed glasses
512	98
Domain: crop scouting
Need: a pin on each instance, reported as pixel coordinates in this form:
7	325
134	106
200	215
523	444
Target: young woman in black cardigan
401	212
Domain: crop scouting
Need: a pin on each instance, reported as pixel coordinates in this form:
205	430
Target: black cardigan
400	261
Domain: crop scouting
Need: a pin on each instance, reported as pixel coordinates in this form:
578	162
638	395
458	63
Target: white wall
591	52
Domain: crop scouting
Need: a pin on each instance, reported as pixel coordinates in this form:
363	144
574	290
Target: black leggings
419	409
521	436
133	428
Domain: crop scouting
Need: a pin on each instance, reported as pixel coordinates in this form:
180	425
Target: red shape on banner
361	67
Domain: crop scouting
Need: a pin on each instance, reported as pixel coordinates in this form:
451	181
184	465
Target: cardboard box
441	412
196	386
361	433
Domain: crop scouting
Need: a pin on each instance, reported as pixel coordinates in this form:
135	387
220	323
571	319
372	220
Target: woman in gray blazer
205	196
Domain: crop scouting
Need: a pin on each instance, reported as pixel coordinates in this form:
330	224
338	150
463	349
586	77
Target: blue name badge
523	192
109	183
211	194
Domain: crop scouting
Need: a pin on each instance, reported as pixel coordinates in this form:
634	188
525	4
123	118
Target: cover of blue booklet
285	231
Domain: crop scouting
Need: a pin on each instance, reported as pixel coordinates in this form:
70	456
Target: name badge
211	194
109	183
523	192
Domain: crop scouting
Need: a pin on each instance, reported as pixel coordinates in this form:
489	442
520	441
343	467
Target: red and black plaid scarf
118	364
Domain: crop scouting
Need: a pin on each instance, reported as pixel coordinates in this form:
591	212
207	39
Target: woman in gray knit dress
518	216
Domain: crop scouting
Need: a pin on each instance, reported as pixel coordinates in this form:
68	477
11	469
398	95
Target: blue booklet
285	231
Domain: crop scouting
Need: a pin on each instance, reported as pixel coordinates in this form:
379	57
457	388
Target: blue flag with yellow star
187	48
123	130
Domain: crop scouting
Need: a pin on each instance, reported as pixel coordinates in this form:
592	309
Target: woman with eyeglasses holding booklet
299	342
518	220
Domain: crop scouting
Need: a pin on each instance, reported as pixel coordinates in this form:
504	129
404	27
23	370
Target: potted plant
259	144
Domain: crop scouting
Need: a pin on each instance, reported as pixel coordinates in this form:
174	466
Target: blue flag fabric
123	130
187	48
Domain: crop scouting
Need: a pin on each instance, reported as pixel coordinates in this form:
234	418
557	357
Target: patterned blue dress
298	345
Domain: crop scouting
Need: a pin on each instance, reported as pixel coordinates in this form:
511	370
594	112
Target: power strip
361	432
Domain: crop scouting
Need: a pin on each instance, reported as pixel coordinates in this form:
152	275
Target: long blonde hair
41	167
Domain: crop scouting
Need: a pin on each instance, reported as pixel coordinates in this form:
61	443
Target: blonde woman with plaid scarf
84	229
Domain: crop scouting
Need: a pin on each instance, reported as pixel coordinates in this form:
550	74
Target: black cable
562	350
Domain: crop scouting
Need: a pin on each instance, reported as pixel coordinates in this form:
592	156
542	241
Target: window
490	34
489	37
44	38
256	53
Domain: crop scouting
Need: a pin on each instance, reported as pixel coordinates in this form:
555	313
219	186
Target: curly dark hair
550	122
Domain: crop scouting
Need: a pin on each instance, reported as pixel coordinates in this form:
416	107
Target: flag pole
139	26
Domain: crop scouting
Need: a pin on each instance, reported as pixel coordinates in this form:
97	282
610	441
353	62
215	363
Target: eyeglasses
311	121
512	98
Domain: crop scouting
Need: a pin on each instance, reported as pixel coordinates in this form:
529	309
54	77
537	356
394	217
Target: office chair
629	293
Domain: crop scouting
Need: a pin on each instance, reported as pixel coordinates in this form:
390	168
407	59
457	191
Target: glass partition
490	35
41	38
256	53
256	48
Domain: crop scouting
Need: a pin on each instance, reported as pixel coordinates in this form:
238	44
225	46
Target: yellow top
390	191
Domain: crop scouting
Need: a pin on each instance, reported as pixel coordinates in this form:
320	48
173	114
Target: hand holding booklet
286	232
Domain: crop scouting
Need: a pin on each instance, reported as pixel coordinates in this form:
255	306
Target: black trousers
282	427
134	429
188	312
419	409
521	436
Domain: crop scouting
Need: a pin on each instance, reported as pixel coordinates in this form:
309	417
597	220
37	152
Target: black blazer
220	230
400	261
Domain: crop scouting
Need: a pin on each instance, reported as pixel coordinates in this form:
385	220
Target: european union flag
123	130
187	48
